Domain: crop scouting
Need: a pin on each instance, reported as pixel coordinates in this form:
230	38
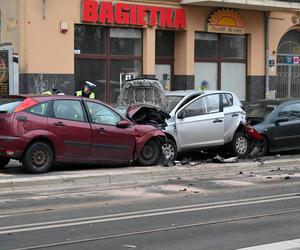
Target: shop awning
265	5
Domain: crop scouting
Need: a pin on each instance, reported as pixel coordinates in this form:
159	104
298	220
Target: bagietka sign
132	14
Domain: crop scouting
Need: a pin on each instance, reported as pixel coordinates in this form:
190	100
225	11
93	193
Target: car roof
41	97
182	92
189	92
277	101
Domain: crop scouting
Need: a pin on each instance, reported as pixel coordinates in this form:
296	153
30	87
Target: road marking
282	245
143	214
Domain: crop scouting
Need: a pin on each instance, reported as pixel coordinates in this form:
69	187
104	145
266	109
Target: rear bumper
12	147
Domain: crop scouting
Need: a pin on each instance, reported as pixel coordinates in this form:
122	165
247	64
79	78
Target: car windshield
8	105
259	110
172	101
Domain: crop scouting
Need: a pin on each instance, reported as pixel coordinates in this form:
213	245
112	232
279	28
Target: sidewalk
12	179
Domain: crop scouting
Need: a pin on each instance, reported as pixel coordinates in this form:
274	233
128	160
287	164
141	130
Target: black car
278	121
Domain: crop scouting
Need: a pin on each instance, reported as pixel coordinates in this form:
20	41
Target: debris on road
220	159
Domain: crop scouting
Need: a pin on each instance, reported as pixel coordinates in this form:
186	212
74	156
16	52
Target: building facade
252	49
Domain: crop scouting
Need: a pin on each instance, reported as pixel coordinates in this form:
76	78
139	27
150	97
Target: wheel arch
41	139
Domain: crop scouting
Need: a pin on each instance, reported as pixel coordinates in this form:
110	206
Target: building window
206	46
217	58
105	56
125	42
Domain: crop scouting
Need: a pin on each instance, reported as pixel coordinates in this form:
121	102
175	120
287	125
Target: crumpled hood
142	91
146	114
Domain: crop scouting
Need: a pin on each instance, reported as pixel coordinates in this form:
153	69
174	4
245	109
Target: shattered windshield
259	110
172	101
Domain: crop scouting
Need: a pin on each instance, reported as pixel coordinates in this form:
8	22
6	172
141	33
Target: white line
131	215
282	245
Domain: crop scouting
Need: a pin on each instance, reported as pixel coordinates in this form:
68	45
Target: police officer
87	90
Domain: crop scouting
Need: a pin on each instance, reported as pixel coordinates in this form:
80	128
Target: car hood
142	91
146	115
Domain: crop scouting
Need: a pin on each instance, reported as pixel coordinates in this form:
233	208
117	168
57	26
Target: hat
90	85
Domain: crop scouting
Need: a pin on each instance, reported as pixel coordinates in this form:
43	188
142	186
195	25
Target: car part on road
4	161
150	154
38	158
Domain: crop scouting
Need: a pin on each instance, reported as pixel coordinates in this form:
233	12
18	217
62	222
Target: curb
107	178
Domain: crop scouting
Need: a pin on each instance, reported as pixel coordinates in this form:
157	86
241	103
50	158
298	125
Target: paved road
228	211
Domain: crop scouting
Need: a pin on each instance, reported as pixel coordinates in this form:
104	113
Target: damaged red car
42	130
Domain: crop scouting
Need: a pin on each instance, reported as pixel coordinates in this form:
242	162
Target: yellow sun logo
226	17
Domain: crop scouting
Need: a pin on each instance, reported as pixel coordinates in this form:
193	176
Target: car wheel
239	144
169	150
4	161
150	154
38	158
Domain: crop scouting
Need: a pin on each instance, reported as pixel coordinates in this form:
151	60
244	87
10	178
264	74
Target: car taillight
28	102
252	132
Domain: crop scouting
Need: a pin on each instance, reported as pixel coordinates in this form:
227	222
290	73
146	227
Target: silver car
202	120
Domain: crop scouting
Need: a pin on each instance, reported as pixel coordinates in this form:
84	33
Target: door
232	116
163	74
72	130
286	133
200	123
109	143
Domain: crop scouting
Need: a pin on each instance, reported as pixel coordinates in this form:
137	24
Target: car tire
38	158
150	154
169	149
4	161
239	144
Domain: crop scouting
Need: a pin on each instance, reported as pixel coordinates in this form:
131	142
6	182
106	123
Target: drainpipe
267	80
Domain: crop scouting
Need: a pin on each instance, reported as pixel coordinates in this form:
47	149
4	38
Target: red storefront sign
132	14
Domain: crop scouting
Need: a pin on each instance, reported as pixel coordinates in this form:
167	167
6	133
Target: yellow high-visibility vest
79	93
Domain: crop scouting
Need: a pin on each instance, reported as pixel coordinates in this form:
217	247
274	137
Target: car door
231	116
70	125
109	142
286	132
200	123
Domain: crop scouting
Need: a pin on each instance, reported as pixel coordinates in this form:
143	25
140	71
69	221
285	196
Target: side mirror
123	124
281	119
181	114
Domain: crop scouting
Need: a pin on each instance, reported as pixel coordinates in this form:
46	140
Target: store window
107	56
206	45
220	60
125	42
90	39
164	57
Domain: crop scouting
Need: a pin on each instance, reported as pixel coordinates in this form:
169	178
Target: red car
41	130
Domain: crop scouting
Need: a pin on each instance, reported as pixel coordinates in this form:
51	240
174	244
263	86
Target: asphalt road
231	211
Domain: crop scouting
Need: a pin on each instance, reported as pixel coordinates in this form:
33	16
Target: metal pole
267	14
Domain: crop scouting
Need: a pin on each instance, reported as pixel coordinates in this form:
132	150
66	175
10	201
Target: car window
212	103
291	111
227	100
8	105
196	108
172	101
259	110
40	109
68	110
103	115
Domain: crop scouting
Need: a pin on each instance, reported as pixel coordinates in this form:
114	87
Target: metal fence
288	81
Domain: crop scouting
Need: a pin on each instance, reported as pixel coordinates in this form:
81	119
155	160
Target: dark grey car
278	121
